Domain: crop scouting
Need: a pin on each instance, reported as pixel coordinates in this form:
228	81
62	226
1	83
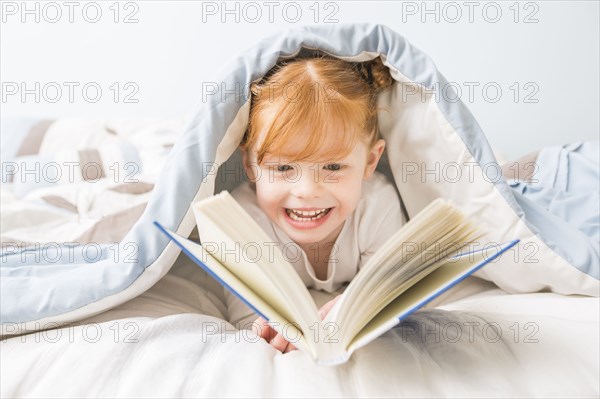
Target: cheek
349	195
269	197
354	198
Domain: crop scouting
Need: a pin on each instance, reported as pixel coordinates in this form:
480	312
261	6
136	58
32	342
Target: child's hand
324	311
262	329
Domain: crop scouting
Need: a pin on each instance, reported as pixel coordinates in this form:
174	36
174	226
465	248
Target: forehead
330	138
328	143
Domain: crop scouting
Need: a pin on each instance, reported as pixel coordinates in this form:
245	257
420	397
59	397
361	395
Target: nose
307	185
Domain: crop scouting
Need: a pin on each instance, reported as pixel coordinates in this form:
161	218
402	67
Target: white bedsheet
173	341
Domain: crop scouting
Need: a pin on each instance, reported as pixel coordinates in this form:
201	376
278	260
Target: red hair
319	95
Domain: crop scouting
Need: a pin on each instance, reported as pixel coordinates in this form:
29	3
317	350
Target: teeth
306	215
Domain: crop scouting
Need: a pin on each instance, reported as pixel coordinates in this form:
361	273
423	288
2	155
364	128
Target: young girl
310	154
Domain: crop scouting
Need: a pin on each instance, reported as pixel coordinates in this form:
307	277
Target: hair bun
381	77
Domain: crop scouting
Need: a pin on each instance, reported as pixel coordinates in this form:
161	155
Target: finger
257	326
279	343
263	329
327	307
254	326
290	348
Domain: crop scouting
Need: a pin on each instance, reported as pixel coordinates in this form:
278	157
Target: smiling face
311	140
310	199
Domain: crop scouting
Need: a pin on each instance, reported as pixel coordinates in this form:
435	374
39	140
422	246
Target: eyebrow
288	159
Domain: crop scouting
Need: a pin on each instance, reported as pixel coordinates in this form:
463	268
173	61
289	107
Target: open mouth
306	216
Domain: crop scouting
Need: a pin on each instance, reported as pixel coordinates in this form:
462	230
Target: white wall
171	51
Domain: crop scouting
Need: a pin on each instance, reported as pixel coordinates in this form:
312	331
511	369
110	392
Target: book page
233	237
450	273
216	270
423	244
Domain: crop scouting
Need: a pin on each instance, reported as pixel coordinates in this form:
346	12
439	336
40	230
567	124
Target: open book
428	255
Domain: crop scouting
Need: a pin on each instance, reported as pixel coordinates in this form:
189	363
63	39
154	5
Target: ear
373	157
248	168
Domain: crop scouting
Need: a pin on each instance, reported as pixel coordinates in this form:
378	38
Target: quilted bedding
96	302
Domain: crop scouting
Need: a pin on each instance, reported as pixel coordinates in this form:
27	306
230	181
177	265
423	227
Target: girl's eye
333	166
283	168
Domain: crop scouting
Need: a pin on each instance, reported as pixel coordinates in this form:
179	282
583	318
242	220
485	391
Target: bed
96	302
